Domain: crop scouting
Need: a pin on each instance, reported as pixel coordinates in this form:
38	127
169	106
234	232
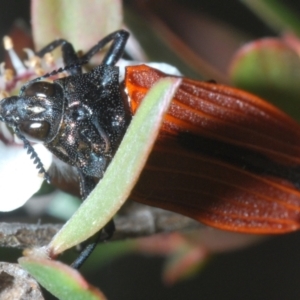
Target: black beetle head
36	112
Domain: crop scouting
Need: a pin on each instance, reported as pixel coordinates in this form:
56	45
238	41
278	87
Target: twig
17	284
135	220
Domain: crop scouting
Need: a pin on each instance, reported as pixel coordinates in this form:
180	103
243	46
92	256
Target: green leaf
269	68
276	14
62	281
83	23
63	205
123	172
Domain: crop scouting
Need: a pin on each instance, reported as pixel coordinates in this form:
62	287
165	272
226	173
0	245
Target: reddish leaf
61	280
270	68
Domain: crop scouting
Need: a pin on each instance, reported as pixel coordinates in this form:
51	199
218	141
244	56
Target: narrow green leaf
123	172
276	14
62	281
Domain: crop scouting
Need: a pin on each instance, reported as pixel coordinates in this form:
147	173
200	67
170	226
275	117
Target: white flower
19	178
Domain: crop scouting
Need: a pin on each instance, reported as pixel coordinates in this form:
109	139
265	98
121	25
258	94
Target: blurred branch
135	220
276	14
23	235
144	23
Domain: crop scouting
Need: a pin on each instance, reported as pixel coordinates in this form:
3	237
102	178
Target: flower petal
18	175
81	22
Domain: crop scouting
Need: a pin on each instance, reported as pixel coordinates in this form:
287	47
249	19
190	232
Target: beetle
223	156
71	116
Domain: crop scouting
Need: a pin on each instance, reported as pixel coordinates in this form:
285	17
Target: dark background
270	270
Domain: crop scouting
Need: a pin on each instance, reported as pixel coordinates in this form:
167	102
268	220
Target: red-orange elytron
224	157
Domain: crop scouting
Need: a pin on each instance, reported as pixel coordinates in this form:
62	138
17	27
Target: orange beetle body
223	157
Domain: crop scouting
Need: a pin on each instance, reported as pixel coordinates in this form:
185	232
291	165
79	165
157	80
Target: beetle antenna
34	156
54	72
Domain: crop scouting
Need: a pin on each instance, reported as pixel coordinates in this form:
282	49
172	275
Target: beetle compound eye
40	89
35	131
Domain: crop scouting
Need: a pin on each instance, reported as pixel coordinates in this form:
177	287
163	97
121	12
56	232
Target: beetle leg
69	55
103	135
87	184
102	236
116	50
70	58
50	47
114	53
